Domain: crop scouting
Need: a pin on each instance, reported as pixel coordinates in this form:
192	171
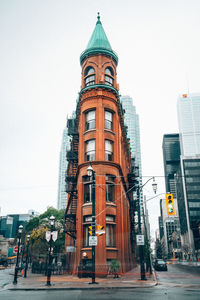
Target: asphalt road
178	283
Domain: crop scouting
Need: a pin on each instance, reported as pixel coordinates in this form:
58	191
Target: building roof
98	43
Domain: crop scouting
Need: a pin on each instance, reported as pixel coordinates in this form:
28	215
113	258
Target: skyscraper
132	122
188	177
171	159
189	124
62	195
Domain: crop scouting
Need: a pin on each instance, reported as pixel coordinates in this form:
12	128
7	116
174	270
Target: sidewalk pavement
128	280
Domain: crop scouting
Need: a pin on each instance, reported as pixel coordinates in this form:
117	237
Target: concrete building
99	138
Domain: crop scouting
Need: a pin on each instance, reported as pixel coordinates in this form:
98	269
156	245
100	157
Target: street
179	282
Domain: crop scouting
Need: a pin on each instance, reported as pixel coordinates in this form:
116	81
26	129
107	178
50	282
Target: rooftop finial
98	18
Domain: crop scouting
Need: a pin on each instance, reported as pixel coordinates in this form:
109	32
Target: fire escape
71	178
133	184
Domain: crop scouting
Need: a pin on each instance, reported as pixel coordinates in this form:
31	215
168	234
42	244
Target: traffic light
99	227
90	230
170	204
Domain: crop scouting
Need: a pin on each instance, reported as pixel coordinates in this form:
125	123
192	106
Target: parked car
160	265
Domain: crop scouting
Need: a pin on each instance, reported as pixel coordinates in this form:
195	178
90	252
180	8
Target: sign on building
140	239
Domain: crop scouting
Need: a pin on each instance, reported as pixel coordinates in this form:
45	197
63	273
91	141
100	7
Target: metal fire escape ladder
71	179
133	184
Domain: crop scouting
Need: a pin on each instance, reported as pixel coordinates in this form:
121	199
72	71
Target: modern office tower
171	160
188	194
132	121
99	140
62	195
188	177
188	106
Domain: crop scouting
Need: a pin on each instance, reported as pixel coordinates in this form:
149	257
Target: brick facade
102	142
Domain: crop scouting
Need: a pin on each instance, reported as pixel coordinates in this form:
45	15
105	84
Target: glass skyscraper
132	121
62	195
188	106
188	178
171	159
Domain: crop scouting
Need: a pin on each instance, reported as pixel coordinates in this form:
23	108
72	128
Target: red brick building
99	138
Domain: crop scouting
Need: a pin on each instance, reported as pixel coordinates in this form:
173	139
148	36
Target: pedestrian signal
170	205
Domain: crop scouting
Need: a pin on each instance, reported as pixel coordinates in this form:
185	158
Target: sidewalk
71	282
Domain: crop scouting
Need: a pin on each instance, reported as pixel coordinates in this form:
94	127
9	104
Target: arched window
89	76
109	80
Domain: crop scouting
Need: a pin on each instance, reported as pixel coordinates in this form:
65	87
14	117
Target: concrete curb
80	288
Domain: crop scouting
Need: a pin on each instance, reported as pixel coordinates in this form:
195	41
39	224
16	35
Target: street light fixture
141	250
52	222
91	173
27	256
20	229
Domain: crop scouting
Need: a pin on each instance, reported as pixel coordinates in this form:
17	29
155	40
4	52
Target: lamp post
141	247
91	173
17	262
52	221
27	247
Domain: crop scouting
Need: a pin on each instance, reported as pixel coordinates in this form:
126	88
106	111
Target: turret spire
98	43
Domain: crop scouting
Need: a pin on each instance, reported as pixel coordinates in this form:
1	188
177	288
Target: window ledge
111	249
90	130
111	204
109	131
87	204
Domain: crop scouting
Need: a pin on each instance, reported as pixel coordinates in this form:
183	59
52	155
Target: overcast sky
158	46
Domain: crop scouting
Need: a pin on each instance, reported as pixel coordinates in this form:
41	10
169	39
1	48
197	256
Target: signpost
140	239
93	241
16	249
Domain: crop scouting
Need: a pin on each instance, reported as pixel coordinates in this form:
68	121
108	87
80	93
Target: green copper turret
98	43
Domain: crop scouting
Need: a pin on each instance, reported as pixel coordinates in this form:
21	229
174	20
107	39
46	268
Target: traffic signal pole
93	227
141	248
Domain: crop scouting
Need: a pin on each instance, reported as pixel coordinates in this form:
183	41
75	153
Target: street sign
71	249
92	240
16	249
48	236
140	239
100	232
54	235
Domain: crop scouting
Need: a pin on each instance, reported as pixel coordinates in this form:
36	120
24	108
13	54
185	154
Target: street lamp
52	221
141	250
27	246
20	229
91	173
